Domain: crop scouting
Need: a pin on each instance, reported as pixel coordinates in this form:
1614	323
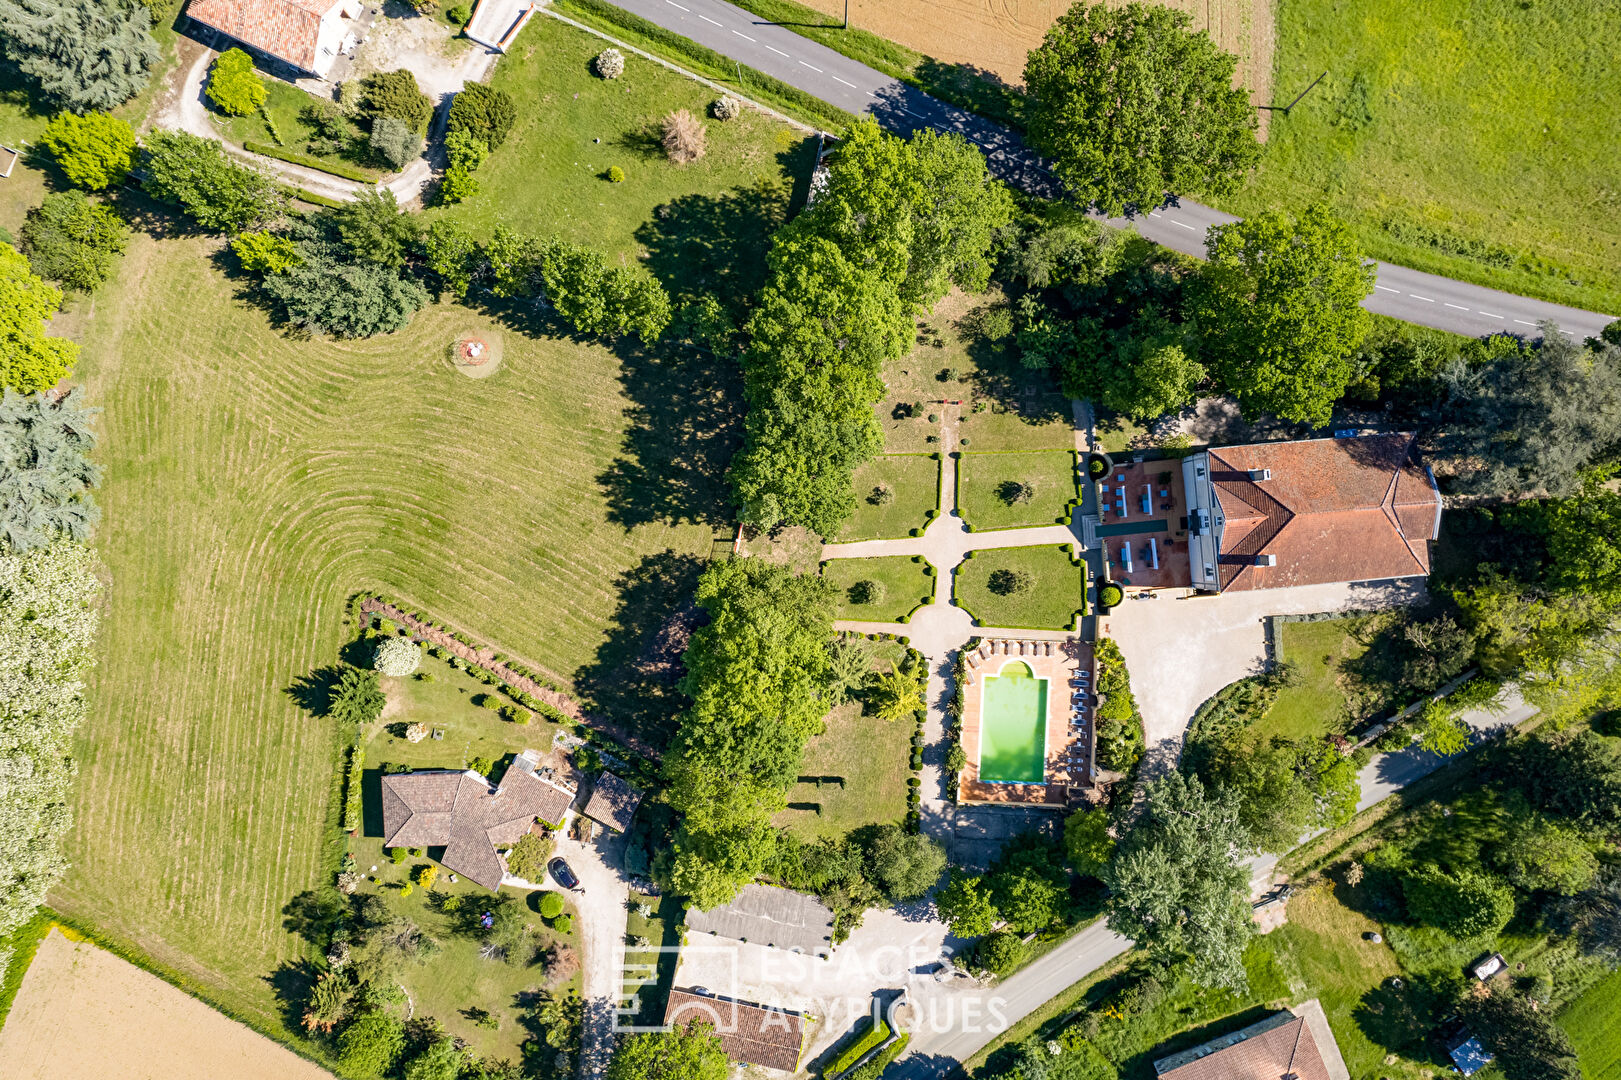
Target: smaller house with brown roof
1311	512
468	816
767	1036
613	802
308	34
1295	1044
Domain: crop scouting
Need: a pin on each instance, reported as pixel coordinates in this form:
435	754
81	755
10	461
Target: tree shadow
313	692
646	142
290	985
313	915
973	87
633	679
371	802
714	245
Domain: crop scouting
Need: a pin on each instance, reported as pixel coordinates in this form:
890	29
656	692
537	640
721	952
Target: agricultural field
1006	491
913	484
82	1011
1054	597
884	589
255	480
1472	138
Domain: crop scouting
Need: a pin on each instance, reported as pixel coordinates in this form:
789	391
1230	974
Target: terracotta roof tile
462	813
1332	510
750	1034
285	28
1286	1050
613	802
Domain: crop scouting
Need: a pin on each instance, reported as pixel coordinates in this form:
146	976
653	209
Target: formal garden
896	495
1016	489
884	589
1026	588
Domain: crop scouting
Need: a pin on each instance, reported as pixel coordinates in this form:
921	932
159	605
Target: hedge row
307	196
351	788
876	1033
873	1069
293	157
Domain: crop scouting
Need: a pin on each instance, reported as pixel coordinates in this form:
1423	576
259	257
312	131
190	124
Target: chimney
1260	474
1267	559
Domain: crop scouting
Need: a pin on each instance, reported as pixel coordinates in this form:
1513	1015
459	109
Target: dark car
562	874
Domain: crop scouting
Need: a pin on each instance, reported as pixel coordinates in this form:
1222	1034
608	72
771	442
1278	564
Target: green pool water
1013	727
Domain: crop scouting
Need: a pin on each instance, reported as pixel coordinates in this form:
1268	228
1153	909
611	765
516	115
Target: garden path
601	917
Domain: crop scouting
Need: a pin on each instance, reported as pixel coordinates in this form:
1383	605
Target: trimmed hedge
873	1069
858	1049
351	788
293	157
305	195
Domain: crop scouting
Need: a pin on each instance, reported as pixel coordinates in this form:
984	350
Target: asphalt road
1415	297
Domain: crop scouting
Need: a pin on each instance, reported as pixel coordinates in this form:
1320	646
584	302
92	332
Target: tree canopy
45	470
74	240
85	54
756	675
1527	1043
1176	884
1278	306
94	151
1132	106
690	1053
581	285
484	112
234	86
30	360
219	194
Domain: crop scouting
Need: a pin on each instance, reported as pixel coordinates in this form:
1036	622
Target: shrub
563	924
875	1034
866	592
726	107
396	657
396	94
882	495
426	875
70	239
999	953
528	856
616	175
1015	492
394	142
264	252
93	151
551	905
234	86
1006	582
1466	904
1110	595
485	113
458	15
683	137
398	854
609	64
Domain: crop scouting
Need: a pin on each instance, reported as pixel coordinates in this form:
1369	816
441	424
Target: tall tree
1176	884
86	54
756	675
94	151
1527	1043
1530	419
1278	306
45	471
1132	106
71	239
219	194
30	360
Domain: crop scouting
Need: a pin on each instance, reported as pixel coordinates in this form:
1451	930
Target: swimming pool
1013	727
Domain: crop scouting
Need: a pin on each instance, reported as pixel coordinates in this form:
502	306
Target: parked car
562	874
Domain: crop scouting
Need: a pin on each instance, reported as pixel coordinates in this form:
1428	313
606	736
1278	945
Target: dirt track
85	1014
996	34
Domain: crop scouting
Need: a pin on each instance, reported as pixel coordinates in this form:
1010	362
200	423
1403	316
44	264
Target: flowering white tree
396	656
610	63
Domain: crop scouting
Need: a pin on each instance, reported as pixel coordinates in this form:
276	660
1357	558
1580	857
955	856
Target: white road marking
773	48
920	116
1383	288
813	67
1426	299
707	19
851	85
1460	307
1489	315
673	4
742	35
1522	322
1184	224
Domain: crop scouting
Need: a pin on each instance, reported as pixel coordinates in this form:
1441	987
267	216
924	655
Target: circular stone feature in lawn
476	353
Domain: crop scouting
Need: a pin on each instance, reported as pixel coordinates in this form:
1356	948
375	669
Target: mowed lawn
904	582
1593	1022
986	486
1055	597
1463	137
871	756
1316	704
913	481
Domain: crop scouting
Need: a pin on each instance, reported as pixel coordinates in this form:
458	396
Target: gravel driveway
601	925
